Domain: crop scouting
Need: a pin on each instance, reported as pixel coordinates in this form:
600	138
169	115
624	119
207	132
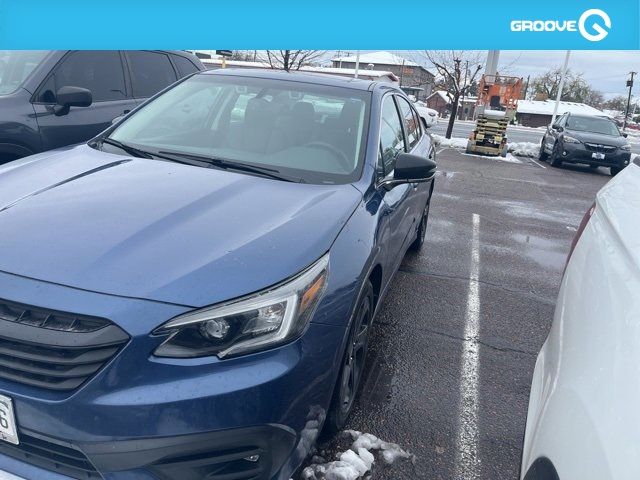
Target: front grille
54	350
64	460
597	147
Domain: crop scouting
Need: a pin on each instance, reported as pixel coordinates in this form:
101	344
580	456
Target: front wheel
543	156
614	171
554	158
422	229
352	366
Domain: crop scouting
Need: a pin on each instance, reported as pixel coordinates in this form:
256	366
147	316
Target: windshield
312	132
593	125
15	67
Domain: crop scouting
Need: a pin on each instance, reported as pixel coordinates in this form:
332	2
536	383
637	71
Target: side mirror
411	169
625	135
68	97
557	127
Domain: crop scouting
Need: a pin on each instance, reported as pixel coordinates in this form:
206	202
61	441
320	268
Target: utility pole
357	64
561	86
526	87
401	73
626	113
463	115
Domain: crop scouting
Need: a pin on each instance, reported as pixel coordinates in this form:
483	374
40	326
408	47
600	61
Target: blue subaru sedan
190	294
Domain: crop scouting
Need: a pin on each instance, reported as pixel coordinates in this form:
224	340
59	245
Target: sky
606	71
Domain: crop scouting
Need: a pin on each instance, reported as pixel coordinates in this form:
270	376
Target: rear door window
150	72
184	66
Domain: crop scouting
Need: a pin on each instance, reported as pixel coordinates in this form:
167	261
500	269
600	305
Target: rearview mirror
67	97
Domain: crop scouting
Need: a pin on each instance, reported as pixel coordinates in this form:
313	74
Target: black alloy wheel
353	362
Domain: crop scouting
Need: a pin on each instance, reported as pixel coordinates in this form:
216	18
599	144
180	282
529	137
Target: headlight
568	139
257	322
626	147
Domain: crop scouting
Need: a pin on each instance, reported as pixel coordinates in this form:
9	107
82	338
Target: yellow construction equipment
496	107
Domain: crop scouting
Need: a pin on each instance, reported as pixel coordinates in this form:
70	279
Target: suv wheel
352	366
614	171
554	158
422	229
543	155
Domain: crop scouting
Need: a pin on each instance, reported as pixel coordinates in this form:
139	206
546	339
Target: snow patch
356	461
440	141
524	149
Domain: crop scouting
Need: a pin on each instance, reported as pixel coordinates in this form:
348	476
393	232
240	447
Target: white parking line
441	150
467	461
539	164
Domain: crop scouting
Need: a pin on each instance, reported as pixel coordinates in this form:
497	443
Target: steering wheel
339	154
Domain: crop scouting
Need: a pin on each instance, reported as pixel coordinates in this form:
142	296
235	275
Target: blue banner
331	24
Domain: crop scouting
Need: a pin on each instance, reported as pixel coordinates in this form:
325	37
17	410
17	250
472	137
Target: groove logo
594	25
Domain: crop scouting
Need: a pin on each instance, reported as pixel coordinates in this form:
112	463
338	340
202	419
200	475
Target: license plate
8	431
598	156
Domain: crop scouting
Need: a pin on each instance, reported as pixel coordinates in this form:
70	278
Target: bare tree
576	88
290	59
459	70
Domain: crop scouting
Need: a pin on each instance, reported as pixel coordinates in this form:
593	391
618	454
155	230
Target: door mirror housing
67	97
414	168
557	127
625	135
411	169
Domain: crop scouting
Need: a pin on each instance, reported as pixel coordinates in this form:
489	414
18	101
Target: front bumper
579	153
143	417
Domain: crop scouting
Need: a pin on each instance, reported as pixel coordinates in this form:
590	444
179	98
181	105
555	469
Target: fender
14	150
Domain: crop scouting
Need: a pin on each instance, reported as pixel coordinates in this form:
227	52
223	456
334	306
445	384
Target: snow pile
355	462
524	149
311	430
449	142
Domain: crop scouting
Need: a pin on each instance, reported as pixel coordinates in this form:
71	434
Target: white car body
429	115
584	413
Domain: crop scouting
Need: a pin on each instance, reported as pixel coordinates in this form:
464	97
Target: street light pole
626	113
561	86
355	75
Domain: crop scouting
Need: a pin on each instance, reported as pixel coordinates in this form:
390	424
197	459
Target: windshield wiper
137	152
131	150
233	165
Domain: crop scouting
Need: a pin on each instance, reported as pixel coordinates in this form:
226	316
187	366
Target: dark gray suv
49	99
587	139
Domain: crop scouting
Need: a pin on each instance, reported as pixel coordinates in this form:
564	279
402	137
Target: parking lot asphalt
455	343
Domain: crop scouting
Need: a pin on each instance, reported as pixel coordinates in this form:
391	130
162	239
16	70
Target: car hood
597	138
159	230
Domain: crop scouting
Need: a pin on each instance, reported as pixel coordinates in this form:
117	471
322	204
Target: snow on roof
362	73
539	107
445	96
380	58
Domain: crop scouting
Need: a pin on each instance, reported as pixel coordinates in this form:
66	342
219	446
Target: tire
543	156
614	171
422	229
554	158
352	366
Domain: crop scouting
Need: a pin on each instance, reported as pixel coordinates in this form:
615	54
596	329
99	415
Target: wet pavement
454	345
